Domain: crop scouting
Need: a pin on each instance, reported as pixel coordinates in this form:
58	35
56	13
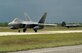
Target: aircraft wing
49	24
29	22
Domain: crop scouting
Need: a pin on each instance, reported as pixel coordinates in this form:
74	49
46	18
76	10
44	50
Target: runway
42	32
65	49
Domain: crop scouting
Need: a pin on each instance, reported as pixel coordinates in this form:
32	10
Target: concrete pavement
42	32
65	49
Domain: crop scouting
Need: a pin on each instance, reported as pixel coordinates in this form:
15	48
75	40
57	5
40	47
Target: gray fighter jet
17	23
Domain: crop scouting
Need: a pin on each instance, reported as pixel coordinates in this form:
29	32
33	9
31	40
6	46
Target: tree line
4	24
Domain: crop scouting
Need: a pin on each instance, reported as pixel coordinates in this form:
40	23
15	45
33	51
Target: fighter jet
28	23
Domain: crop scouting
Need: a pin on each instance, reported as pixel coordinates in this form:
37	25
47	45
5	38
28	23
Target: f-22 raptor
25	24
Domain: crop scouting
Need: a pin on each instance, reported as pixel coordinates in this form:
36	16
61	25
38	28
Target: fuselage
17	24
22	24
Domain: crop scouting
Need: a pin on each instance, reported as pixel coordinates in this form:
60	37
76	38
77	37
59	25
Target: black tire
24	30
18	30
35	30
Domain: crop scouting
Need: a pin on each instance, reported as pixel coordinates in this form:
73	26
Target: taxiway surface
65	49
42	32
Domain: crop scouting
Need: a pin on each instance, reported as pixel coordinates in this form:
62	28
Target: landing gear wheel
35	30
18	30
24	30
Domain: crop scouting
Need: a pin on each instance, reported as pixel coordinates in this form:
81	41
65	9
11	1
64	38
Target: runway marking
42	32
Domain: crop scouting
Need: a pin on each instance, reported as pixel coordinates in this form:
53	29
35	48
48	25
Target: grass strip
23	42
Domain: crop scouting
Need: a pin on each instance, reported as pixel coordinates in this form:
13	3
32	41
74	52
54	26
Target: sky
58	10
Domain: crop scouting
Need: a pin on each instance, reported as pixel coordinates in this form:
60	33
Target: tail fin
42	20
27	17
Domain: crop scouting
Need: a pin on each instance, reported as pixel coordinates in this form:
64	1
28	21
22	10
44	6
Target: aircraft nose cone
9	23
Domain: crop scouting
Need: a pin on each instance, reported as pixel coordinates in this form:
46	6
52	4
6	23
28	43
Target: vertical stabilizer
42	20
27	17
